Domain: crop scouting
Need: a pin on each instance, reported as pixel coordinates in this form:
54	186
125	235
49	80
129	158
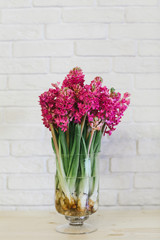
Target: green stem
64	147
75	162
60	169
90	141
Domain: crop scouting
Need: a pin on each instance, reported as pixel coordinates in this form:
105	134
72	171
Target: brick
139	197
22	115
93	15
33	82
134	31
114	181
5	49
19	32
47	133
4	148
136	131
40	49
3	82
127	3
135	164
51	165
17	98
151	81
116	147
21	132
107	198
143	114
87	64
103	164
22	165
31	148
26	198
148	14
152	100
136	65
27	182
147	180
149	48
80	31
28	65
31	16
105	48
1	115
14	4
2	182
127	118
62	3
149	146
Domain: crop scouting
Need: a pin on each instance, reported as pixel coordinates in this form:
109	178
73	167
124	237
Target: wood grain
117	224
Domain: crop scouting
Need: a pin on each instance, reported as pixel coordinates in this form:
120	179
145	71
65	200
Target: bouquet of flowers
78	115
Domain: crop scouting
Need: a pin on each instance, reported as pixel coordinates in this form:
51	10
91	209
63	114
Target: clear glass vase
77	197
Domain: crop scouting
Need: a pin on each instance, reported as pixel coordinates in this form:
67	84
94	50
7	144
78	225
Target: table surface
117	224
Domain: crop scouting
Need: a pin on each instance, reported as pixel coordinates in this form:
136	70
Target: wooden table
117	224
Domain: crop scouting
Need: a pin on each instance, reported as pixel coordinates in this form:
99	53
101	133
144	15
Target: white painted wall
40	41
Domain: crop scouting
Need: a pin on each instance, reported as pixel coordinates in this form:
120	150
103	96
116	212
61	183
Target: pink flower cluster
74	100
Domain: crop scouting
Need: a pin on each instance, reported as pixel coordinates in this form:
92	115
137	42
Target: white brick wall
127	3
93	15
136	65
149	48
142	113
135	164
137	15
40	41
23	16
147	81
105	48
22	165
19	32
31	148
62	3
14	4
139	197
2	182
73	31
136	31
151	180
42	48
18	115
4	148
23	65
19	98
89	65
27	182
3	81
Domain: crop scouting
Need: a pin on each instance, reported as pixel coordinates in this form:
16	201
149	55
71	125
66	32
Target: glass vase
77	197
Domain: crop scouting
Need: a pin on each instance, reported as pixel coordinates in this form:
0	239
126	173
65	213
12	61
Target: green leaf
75	161
83	155
112	90
64	150
53	145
